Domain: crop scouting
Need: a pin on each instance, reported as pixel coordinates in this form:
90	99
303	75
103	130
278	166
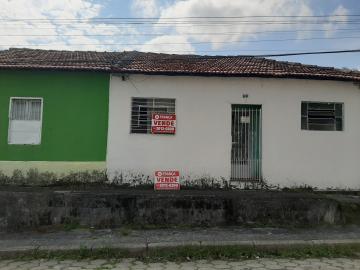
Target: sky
169	26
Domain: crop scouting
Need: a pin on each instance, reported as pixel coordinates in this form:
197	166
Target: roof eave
55	68
241	75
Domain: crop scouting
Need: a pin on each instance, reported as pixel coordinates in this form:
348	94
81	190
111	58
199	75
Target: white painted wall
202	144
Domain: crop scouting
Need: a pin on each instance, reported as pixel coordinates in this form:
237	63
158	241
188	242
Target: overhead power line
191	54
85	27
309	53
199	23
196	20
185	20
194	43
180	34
187	17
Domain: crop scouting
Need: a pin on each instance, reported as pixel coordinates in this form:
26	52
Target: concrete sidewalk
133	264
135	240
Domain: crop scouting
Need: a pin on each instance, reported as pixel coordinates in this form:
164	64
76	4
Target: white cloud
178	45
330	27
243	31
53	30
56	33
229	8
145	8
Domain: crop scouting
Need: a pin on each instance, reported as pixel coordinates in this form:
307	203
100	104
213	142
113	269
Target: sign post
167	180
163	123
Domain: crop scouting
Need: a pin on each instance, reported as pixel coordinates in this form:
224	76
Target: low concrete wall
27	209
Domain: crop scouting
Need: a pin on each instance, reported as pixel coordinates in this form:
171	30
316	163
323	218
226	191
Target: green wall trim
75	115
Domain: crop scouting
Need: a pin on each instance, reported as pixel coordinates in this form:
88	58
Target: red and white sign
167	180
163	123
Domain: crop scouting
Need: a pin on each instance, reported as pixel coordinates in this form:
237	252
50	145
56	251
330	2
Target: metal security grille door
246	143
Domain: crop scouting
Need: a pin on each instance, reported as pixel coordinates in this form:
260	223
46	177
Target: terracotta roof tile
168	64
63	60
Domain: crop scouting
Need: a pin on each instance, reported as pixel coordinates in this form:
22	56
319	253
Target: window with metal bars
142	110
25	120
322	116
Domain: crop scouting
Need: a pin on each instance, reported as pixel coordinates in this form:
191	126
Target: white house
216	119
237	118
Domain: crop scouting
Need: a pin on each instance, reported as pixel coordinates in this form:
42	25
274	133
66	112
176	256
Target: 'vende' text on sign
167	180
163	123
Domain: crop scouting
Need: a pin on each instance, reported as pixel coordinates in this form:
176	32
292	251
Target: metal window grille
322	116
142	110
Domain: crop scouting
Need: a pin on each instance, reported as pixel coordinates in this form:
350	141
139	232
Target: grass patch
124	231
136	227
189	253
245	253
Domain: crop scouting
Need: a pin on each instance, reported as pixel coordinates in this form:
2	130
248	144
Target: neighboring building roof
57	60
168	64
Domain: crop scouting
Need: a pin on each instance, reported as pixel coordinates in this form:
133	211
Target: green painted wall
75	114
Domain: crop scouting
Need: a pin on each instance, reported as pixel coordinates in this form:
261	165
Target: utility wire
161	34
308	53
195	20
203	23
162	56
187	17
111	27
166	26
180	21
194	43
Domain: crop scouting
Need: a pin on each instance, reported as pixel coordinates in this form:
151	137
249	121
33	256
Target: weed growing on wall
124	179
138	179
133	179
